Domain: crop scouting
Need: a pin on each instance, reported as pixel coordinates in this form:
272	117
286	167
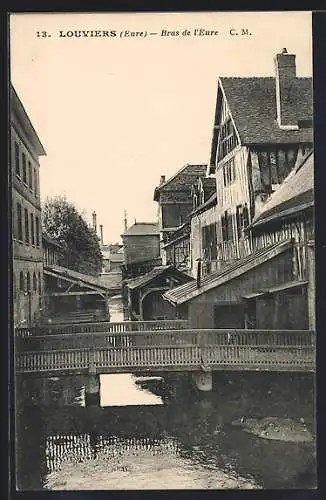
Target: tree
62	222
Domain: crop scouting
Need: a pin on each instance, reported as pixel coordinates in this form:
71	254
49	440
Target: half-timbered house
273	286
262	130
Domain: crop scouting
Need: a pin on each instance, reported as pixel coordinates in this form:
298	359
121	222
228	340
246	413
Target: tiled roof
186	176
142	228
209	185
85	279
252	102
186	292
295	194
154	273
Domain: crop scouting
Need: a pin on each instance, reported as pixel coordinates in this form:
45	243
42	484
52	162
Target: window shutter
238	219
229	227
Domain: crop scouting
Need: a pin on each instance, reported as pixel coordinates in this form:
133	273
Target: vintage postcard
162	183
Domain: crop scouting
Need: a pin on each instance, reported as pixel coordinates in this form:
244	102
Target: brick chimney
286	97
162	180
101	233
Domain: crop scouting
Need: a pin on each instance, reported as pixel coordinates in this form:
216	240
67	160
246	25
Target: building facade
273	287
262	130
25	151
141	243
175	203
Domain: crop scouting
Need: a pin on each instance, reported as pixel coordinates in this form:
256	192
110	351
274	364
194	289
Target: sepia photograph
163	250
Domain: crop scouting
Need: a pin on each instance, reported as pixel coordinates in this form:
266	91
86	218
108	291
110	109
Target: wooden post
311	286
92	386
92	390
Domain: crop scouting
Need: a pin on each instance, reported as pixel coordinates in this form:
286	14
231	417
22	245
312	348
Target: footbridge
156	346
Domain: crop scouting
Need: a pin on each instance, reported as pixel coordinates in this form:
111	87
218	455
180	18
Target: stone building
141	244
25	150
175	200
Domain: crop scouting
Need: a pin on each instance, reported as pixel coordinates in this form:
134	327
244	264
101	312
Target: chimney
286	98
94	221
162	180
101	233
125	220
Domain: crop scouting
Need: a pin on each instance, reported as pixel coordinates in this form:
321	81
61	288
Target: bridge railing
166	338
101	326
189	357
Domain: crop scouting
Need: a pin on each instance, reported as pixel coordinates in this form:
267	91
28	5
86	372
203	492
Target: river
147	435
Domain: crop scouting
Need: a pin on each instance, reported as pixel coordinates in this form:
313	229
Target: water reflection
139	463
137	441
122	389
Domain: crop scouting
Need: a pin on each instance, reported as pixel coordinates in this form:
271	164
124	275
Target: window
227	226
229	172
37	223
14	290
275	165
21	281
19	222
228	140
17	160
242	216
26	227
34	282
35	183
28	282
30	175
32	230
39	284
209	242
24	168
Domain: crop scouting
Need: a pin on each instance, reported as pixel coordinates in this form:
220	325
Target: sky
116	113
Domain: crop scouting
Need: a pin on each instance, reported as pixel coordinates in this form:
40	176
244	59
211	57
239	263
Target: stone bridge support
203	380
92	390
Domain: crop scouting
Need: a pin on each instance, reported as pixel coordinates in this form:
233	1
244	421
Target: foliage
62	222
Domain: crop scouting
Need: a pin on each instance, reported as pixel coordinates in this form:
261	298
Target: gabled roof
154	273
143	228
75	277
252	103
186	176
295	194
186	292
